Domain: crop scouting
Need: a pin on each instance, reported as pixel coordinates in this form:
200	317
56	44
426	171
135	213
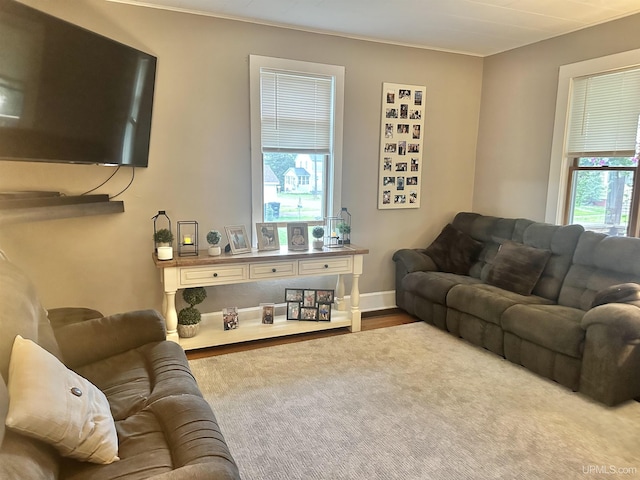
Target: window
296	138
593	177
602	146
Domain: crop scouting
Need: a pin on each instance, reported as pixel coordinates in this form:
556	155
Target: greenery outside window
296	139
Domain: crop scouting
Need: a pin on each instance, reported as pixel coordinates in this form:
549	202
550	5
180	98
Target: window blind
604	114
296	112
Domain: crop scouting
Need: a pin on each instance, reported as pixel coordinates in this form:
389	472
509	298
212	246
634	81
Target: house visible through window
296	137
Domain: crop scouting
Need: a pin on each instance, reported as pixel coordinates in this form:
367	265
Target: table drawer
220	275
272	270
326	266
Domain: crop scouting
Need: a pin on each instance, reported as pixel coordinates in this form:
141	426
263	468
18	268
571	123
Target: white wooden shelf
227	269
212	332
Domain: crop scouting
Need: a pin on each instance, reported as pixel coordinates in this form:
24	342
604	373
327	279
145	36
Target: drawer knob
273	270
326	266
215	274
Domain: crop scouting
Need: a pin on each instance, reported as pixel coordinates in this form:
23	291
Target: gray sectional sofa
571	315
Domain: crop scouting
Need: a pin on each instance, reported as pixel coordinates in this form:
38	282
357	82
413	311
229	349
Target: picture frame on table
324	312
324	296
309	314
268	313
267	234
298	236
293	294
293	311
309	298
238	239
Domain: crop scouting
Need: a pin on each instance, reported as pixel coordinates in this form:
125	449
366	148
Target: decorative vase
214	250
318	244
165	253
188	331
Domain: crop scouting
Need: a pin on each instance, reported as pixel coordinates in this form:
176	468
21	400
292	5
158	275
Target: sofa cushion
453	251
487	302
51	403
434	286
139	377
517	267
554	327
173	432
599	262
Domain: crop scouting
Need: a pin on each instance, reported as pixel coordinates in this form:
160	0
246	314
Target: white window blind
604	114
296	112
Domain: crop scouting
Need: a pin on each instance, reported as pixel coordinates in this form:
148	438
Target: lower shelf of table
250	328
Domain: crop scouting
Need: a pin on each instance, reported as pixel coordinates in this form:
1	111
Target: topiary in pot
318	233
345	230
189	317
163	239
213	238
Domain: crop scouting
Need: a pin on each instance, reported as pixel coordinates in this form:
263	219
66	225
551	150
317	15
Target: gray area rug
409	402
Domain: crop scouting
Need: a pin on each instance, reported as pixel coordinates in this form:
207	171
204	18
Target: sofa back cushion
600	261
21	314
560	240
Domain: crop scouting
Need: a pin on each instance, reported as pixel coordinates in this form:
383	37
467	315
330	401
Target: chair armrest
88	341
64	316
213	470
413	260
611	357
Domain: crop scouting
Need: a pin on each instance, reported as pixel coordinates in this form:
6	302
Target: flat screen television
70	95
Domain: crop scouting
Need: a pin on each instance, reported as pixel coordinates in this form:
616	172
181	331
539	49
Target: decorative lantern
331	232
162	236
344	227
187	238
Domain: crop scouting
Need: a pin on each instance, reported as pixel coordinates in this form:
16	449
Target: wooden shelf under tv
19	209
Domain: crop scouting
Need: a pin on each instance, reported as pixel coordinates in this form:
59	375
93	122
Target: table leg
170	315
340	294
356	315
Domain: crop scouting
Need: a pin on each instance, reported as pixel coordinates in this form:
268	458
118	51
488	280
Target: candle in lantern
186	240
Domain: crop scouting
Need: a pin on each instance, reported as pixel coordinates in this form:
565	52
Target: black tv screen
70	95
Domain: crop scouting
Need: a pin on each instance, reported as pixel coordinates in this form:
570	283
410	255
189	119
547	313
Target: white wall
199	167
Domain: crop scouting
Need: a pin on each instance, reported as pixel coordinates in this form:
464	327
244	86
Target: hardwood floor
370	321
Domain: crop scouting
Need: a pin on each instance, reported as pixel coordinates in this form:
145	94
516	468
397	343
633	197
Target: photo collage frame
401	145
307	304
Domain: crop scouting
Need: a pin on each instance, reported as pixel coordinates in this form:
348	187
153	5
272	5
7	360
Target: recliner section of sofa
553	332
165	428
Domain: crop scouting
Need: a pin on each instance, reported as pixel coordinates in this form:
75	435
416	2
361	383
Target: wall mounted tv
71	95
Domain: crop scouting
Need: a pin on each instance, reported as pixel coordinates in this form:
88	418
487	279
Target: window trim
560	162
334	167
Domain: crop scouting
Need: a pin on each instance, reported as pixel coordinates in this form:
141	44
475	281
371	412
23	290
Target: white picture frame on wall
401	146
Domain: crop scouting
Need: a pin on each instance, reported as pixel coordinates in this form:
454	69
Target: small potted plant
318	233
164	243
189	317
213	239
344	229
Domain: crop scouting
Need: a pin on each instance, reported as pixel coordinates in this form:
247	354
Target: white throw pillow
49	402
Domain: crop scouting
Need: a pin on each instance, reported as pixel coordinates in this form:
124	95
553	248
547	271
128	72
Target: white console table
226	269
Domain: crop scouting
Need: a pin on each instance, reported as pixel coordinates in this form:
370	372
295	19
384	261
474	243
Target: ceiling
476	27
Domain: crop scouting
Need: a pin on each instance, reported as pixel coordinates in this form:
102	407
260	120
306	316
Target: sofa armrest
413	260
88	341
611	358
211	470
